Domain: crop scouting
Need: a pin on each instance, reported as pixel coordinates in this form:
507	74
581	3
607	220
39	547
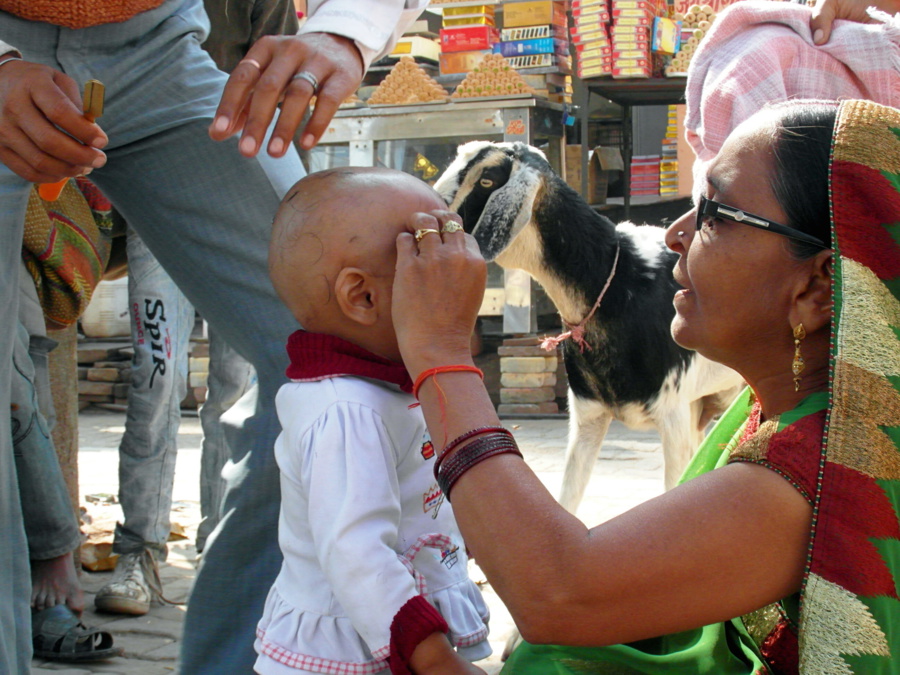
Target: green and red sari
840	449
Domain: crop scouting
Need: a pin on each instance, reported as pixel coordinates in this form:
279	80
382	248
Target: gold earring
798	365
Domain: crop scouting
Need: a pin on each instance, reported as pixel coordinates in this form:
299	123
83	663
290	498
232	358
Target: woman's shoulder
790	444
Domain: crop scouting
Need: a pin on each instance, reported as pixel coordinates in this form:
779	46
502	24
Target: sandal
58	635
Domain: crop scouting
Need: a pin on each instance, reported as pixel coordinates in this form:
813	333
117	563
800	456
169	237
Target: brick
528	380
527	395
525	351
95	388
103	374
199	364
545	408
121	364
528	364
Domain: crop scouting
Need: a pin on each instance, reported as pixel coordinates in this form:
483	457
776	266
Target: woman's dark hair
802	148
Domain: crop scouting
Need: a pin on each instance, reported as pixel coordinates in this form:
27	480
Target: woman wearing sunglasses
779	551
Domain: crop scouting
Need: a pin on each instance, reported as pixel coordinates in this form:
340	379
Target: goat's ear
508	210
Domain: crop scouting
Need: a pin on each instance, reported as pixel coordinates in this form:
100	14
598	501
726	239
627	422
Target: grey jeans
205	212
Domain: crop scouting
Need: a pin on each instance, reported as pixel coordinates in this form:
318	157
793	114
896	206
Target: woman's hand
44	136
266	76
438	290
826	12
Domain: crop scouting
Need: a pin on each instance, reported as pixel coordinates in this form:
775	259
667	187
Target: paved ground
628	472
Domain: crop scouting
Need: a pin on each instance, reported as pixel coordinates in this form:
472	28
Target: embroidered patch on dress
449	557
432	500
427	449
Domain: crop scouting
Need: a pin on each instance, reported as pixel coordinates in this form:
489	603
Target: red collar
316	356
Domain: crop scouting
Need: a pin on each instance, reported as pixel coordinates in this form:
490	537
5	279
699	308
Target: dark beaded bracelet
452	445
483	447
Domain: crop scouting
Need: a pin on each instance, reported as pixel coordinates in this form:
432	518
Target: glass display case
421	139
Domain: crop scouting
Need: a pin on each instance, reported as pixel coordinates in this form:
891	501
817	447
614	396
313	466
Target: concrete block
511	380
525	351
88	388
524	341
527	395
198	364
199	349
102	374
528	364
198	379
545	408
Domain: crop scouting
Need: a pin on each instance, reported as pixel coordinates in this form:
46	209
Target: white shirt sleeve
354	515
7	50
375	25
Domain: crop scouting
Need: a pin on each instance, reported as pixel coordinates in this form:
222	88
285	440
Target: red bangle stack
453	463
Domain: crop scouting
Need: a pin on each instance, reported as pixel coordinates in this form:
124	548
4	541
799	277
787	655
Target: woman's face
736	278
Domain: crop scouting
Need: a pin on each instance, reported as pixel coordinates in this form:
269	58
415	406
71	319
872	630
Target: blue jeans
205	212
161	322
50	525
15	573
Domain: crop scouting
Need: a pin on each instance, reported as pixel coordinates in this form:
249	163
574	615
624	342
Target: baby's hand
435	656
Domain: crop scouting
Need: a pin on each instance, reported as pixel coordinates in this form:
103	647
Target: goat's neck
525	254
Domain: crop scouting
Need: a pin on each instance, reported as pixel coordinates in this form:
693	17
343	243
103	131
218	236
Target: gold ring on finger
421	233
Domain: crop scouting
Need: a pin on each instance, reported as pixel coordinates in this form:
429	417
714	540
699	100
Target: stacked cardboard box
590	36
668	165
468	33
630	33
534	36
645	175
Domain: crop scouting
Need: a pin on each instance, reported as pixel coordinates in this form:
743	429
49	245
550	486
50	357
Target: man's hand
266	76
44	136
827	11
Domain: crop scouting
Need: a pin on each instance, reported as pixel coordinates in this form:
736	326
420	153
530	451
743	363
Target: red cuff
415	621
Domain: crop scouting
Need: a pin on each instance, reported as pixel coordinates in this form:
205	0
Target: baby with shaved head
374	577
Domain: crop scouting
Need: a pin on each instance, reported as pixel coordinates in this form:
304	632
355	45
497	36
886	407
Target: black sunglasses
707	207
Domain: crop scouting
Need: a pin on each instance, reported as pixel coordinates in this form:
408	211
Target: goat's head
494	186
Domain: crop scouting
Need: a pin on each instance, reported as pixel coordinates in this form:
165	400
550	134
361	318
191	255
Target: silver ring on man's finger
309	77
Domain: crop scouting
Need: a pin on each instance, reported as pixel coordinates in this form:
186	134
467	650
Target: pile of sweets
407	83
694	26
493	76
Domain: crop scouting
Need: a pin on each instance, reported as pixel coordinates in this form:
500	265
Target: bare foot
55	582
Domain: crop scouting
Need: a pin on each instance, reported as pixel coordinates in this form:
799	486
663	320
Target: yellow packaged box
471	20
469	9
461	62
533	13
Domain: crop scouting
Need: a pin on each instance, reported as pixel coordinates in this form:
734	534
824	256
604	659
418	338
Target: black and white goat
524	216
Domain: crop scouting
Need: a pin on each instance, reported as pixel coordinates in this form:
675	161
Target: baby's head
333	250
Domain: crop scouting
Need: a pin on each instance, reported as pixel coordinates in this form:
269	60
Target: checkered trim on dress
433	540
478	636
318	664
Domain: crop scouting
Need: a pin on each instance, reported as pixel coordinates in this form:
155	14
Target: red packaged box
468	38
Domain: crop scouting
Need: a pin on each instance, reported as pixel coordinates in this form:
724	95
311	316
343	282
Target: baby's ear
355	295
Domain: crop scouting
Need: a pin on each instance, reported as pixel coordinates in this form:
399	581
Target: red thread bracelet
431	372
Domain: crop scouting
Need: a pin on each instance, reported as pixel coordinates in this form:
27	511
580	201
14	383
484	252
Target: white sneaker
134	584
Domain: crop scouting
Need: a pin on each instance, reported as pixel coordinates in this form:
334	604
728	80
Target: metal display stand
528	120
626	93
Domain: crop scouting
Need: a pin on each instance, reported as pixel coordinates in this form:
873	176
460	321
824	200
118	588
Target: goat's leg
680	439
588	423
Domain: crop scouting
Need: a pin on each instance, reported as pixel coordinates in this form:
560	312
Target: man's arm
336	46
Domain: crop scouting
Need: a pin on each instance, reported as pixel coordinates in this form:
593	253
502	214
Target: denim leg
205	212
15	573
230	376
161	324
50	524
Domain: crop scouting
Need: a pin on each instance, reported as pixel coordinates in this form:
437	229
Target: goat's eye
486	183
